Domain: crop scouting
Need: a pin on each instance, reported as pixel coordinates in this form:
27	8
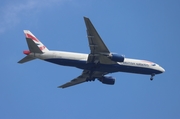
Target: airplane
95	65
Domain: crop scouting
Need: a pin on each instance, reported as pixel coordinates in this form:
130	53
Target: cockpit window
154	64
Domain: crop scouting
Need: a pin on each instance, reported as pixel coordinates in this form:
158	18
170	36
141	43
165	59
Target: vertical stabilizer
34	44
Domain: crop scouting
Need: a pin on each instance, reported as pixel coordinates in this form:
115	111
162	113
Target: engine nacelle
117	58
107	80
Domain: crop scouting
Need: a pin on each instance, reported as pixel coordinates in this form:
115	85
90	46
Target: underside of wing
95	42
99	50
84	77
78	80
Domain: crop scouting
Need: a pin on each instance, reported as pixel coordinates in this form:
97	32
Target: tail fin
33	43
35	46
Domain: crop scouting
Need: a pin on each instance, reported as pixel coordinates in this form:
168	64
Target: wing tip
86	18
60	87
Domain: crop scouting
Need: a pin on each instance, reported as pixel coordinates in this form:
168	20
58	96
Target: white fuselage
79	60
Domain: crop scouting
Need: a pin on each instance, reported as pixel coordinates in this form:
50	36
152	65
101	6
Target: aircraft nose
162	69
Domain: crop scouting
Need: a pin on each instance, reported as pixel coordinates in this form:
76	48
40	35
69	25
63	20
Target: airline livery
95	65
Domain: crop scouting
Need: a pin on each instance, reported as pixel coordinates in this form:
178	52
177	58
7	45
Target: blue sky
142	29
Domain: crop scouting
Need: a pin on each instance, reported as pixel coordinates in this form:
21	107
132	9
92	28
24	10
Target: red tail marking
42	47
32	37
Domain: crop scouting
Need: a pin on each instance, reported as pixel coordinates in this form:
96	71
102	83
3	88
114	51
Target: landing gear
90	79
152	76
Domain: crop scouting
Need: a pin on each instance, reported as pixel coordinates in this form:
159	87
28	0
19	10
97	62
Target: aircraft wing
85	76
99	50
78	80
98	54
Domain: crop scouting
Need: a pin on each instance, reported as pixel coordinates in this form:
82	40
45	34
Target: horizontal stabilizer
26	59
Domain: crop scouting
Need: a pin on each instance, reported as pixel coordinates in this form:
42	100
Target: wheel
152	75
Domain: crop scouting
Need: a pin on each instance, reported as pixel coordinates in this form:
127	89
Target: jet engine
107	80
117	58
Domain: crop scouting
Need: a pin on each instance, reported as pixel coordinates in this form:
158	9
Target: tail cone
26	52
